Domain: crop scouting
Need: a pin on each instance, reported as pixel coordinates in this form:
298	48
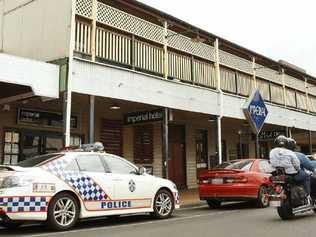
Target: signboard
256	111
44	118
143	117
270	135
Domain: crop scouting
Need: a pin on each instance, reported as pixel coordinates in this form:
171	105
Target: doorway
176	165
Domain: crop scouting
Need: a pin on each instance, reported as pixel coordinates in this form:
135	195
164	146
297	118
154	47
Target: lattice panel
179	66
228	80
148	57
84	8
113	47
268	74
204	74
236	62
263	87
277	95
290	98
118	19
301	101
294	83
185	44
83	38
245	84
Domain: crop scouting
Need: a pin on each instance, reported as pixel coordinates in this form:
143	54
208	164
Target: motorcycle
289	196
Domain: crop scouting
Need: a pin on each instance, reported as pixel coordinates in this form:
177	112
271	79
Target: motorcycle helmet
291	144
281	141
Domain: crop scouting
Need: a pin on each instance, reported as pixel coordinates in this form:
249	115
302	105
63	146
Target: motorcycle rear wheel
285	211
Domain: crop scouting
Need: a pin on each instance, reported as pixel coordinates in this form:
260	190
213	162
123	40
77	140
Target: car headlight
16	181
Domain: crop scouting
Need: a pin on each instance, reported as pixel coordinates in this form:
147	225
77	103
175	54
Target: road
233	220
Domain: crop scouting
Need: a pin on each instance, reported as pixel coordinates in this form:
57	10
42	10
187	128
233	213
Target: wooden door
112	136
176	165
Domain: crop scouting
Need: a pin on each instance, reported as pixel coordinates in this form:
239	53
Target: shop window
111	136
242	151
201	148
11	147
143	144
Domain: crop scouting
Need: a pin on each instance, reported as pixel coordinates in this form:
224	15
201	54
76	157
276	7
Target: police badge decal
132	186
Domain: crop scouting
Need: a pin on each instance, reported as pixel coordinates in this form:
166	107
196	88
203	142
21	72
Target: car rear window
38	160
240	165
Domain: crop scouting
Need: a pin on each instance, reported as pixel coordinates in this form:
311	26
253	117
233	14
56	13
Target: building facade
154	89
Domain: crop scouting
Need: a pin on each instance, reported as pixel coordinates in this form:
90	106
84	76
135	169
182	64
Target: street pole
91	118
165	145
220	102
310	142
257	146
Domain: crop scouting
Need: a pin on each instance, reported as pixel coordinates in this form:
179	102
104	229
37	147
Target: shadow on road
85	224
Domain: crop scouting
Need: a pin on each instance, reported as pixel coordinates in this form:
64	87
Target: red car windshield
239	165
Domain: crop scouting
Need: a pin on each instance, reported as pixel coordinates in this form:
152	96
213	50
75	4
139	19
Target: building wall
190	156
37	29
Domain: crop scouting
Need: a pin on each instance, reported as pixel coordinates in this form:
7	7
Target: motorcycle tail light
278	189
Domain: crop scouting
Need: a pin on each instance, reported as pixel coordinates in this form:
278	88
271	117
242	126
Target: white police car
64	187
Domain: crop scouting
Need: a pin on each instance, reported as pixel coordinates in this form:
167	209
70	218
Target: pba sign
256	111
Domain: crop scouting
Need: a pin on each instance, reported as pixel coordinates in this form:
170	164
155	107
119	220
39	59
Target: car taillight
204	181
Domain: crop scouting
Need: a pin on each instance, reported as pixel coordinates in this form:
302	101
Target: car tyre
163	204
63	212
262	199
214	203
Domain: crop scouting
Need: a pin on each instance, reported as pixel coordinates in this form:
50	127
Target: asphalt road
234	220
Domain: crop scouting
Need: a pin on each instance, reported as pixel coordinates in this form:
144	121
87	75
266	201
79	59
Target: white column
68	98
94	28
254	76
283	84
307	96
220	101
165	51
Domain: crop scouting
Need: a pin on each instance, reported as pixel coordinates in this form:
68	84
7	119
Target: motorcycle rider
305	163
280	156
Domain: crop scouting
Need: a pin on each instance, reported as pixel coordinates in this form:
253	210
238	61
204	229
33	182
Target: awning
21	78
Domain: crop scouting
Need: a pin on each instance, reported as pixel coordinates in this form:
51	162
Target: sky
278	29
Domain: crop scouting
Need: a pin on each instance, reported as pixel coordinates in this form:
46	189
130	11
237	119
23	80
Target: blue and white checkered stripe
24	204
85	186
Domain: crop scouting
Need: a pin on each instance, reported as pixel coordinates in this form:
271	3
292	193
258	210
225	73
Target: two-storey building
123	66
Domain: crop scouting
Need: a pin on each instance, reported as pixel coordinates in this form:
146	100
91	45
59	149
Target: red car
238	180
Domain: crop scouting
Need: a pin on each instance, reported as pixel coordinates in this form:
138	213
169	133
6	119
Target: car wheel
214	203
63	212
163	205
263	198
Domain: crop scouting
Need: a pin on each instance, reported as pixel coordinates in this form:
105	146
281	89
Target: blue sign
256	111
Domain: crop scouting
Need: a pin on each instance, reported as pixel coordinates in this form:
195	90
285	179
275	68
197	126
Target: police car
64	187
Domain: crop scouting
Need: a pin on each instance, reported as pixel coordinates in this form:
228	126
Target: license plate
217	181
275	203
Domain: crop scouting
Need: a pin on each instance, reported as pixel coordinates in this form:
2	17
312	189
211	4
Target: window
38	160
11	147
90	163
201	147
244	165
119	166
73	166
265	167
143	144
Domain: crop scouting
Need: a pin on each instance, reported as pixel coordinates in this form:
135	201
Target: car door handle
117	179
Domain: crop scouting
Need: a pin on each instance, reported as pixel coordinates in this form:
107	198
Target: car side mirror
142	170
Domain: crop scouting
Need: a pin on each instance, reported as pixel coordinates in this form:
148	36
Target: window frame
103	159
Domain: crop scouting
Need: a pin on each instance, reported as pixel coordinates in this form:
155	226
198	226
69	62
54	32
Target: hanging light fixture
115	107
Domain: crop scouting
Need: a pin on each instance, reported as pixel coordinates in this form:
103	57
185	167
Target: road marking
130	225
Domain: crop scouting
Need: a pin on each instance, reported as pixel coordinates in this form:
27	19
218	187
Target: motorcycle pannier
297	195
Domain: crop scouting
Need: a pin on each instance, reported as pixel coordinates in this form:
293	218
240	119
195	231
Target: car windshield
37	160
240	165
